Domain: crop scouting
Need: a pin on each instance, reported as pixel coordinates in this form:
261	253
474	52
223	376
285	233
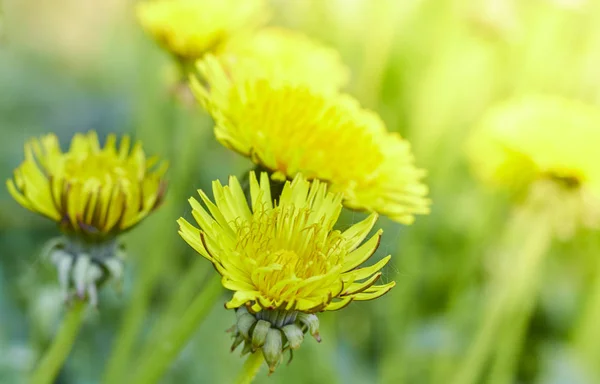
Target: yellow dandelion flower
290	129
93	193
284	261
280	54
548	143
190	28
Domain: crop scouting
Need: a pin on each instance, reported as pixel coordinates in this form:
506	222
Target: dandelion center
283	251
100	167
284	131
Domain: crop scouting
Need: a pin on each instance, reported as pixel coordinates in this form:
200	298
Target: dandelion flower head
547	143
290	128
286	254
92	191
283	259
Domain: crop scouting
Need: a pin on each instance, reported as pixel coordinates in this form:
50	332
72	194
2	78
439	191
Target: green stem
184	130
586	338
395	332
55	356
526	240
133	320
155	132
250	368
159	357
187	289
509	349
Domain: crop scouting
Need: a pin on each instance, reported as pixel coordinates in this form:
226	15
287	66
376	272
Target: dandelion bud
272	349
260	333
294	335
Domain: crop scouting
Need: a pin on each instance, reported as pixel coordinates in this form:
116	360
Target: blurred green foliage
429	67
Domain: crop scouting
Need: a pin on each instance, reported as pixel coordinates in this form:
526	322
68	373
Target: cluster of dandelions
275	97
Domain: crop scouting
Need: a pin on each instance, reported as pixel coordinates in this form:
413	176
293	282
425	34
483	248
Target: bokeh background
431	68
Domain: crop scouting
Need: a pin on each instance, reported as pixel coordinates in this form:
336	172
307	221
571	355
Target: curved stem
250	368
159	357
55	356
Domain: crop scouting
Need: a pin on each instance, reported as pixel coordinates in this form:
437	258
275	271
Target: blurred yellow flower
94	194
537	137
547	143
291	128
280	54
90	191
191	28
284	258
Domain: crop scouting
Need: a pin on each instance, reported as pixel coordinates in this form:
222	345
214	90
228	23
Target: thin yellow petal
362	253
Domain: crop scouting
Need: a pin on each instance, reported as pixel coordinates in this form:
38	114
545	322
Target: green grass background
431	68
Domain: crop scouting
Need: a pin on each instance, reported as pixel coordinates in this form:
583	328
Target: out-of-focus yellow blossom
546	143
190	28
290	128
283	260
93	191
282	55
94	194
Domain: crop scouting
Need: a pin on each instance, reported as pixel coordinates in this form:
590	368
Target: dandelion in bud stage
289	128
547	146
283	260
94	194
278	54
190	28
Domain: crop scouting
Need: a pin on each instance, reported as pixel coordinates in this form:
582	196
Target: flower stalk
250	369
55	356
586	339
157	360
184	123
525	242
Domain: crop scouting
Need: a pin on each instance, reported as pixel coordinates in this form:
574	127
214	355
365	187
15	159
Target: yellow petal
374	292
191	235
363	273
362	253
240	298
17	195
335	305
359	231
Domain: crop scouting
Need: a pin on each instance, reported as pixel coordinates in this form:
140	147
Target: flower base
84	266
273	332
